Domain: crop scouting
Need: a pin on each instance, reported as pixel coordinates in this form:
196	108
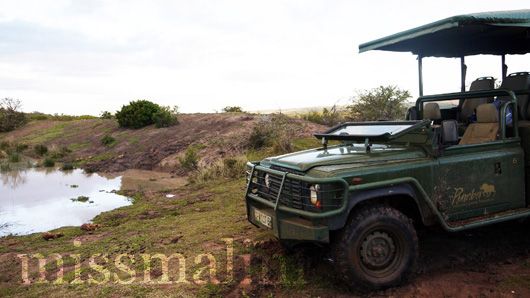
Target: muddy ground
488	262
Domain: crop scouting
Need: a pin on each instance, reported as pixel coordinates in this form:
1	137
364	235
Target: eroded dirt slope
149	148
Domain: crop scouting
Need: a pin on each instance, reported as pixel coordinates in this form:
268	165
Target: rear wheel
377	249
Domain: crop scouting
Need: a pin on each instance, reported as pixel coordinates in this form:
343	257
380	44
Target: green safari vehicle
460	160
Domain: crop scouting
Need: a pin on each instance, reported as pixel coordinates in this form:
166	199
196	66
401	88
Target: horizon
82	58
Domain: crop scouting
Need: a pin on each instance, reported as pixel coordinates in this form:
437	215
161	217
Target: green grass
48	162
79	146
200	216
44	136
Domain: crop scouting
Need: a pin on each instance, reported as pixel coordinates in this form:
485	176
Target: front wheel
377	249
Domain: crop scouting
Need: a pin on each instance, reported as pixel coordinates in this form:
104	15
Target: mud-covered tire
377	249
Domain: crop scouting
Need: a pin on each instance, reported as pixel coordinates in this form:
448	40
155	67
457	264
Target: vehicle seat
485	129
469	105
431	111
449	132
516	82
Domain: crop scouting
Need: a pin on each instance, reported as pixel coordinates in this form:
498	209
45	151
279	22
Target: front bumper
288	223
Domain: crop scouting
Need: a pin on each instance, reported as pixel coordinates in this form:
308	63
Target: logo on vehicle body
486	192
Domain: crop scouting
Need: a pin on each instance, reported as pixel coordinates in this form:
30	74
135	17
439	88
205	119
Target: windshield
375	131
369	130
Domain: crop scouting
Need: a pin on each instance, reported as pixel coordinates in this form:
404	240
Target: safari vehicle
459	167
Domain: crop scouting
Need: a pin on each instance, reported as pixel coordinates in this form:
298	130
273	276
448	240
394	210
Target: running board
456	226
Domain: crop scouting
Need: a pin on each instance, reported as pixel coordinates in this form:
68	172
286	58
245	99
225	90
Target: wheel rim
381	252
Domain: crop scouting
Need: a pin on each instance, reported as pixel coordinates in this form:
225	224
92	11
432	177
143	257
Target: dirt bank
149	148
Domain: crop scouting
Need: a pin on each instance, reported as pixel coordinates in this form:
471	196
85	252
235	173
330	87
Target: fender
363	193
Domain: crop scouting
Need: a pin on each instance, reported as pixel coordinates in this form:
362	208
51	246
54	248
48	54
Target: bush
59	154
190	160
381	103
261	136
329	117
4	167
108	140
106	115
21	147
67	166
10	115
40	149
227	168
234	109
276	131
165	117
48	162
4	145
14	157
137	114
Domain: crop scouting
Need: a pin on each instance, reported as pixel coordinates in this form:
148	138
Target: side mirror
412	114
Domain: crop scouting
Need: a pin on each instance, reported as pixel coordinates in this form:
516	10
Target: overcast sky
86	56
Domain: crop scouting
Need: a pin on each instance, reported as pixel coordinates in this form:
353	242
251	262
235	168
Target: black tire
377	249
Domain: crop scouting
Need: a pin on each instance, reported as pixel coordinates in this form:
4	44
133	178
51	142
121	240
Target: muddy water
38	200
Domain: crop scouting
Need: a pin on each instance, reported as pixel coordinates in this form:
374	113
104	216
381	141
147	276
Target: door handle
498	169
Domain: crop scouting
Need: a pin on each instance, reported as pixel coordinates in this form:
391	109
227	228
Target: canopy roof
496	33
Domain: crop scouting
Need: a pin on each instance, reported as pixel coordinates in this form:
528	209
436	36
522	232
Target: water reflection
13	179
37	200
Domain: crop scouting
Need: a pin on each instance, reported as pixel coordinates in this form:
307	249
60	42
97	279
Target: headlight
314	189
267	180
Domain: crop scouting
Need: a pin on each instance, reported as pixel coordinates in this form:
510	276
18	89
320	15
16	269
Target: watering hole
37	199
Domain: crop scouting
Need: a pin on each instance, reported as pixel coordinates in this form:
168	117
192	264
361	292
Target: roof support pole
420	74
463	72
504	67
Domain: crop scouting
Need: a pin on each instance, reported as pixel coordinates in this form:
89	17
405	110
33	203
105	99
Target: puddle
38	200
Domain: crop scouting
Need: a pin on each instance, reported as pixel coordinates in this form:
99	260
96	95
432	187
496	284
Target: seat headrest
432	111
469	105
483	83
487	113
518	81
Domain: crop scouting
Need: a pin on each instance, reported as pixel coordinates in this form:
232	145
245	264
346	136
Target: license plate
263	218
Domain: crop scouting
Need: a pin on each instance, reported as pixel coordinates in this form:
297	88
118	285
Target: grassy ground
204	223
193	222
199	222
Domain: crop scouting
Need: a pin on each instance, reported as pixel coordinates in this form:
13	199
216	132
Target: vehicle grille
294	192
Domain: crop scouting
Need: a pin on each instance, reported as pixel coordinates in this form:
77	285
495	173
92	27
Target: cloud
77	56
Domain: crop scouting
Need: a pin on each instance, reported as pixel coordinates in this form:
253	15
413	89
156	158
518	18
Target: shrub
234	109
381	103
165	117
21	147
106	115
40	149
48	162
14	157
276	131
10	115
67	167
329	117
108	140
233	168
4	145
4	167
59	154
227	168
190	160
261	136
137	114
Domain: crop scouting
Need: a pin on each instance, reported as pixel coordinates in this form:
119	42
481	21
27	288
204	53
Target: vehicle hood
342	155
